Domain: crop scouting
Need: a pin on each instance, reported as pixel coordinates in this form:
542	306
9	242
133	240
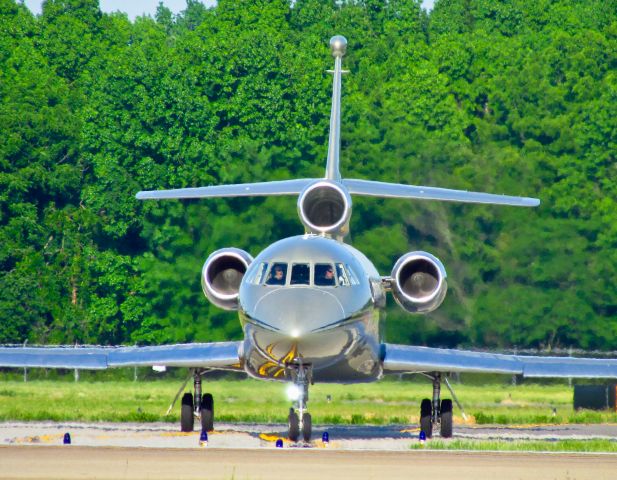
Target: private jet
310	305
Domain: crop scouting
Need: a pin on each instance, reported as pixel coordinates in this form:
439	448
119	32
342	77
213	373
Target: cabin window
260	274
324	275
353	278
300	274
341	274
278	274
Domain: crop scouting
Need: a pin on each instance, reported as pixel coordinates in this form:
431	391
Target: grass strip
570	446
382	403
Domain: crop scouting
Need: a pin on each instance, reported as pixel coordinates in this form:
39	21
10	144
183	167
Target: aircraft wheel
446	419
294	425
307	427
187	416
207	412
426	422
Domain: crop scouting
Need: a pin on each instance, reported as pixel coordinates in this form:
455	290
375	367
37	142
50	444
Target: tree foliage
514	97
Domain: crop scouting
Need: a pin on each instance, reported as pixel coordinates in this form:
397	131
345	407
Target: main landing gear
436	412
196	406
299	420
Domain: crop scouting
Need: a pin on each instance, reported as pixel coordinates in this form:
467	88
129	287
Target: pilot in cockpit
329	276
324	275
277	276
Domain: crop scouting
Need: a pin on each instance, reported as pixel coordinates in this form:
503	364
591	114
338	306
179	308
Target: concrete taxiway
227	435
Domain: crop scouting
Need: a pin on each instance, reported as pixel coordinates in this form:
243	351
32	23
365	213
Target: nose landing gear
299	420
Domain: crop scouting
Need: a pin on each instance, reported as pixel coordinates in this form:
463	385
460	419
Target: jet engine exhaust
419	282
325	207
222	274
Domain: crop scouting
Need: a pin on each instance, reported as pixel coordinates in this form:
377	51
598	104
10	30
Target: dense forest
516	97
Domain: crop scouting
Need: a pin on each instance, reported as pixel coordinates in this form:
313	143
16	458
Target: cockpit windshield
324	275
278	274
300	274
318	274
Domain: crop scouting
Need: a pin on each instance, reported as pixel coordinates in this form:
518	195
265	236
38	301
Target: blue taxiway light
279	443
203	438
67	439
422	436
325	438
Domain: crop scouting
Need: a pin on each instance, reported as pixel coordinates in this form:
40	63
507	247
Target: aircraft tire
187	417
207	412
294	426
445	429
307	427
426	421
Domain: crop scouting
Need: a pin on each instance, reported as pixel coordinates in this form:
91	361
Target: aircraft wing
281	187
397	190
220	355
409	359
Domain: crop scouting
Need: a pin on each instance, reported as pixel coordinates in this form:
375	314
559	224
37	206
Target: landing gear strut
197	406
436	412
299	420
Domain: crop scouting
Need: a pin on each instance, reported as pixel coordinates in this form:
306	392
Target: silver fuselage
334	329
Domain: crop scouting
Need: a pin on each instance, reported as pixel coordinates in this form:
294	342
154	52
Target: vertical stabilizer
338	44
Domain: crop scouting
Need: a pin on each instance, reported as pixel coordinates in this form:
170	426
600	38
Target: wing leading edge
408	359
219	355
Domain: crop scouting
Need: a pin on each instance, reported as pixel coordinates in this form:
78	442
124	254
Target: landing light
293	392
295	333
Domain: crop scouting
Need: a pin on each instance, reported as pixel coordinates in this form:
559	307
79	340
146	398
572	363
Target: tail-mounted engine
221	276
419	282
325	207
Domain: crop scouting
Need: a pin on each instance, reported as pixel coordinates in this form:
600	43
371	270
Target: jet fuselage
313	300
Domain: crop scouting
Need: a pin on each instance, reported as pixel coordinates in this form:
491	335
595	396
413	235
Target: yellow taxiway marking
40	438
269	437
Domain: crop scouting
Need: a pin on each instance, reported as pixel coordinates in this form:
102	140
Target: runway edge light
325	438
203	439
67	439
279	443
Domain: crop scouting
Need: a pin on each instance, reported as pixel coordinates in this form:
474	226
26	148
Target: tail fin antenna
338	44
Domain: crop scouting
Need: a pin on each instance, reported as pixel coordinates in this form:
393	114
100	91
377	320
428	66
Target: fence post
25	368
76	372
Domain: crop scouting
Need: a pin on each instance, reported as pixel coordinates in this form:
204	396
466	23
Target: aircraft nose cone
296	311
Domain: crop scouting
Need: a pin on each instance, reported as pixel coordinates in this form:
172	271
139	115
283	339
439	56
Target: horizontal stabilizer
282	187
397	190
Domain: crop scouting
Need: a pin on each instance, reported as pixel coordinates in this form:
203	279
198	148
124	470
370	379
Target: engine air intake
222	274
419	282
325	207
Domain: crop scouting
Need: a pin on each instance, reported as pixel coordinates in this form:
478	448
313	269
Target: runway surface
159	451
68	463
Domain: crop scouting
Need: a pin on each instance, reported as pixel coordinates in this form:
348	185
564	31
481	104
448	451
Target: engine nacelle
419	282
221	276
325	207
